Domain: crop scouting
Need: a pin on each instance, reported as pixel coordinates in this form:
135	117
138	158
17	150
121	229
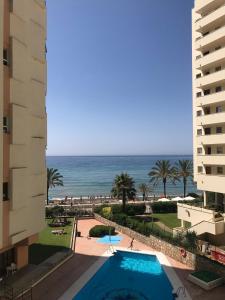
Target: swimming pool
128	276
110	239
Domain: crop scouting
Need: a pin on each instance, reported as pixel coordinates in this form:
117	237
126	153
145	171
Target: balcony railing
213	93
212	11
201	56
208	34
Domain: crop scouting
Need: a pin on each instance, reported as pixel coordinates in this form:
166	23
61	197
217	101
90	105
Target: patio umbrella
163	200
189	198
177	199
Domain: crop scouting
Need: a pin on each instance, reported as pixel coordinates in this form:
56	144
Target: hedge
164	207
130	209
101	230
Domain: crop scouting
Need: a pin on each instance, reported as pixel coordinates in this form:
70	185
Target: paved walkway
88	251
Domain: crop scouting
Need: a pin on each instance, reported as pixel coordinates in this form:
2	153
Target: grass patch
49	243
205	276
168	219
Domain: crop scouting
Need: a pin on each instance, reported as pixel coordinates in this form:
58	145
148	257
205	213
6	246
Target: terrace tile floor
88	251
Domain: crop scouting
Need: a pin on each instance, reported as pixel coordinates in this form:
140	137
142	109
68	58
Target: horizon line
112	155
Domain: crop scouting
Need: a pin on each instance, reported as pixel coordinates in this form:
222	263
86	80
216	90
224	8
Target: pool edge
87	275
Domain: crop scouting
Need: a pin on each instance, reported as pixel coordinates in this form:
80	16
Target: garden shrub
164	207
106	212
101	230
120	219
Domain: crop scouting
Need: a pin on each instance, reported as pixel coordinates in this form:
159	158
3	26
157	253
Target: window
198	75
200	169
218	89
207	131
206	92
5	57
199	150
209	151
5	125
208	170
199	132
199	94
219	130
219	170
199	113
217	48
205	53
206	73
206	33
219	109
218	69
219	150
5	191
207	111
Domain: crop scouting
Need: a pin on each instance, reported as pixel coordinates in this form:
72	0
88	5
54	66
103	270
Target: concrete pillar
21	256
182	223
205	200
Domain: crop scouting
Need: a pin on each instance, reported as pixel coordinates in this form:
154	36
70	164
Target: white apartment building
208	51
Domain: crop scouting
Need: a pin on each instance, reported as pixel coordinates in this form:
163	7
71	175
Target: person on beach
131	244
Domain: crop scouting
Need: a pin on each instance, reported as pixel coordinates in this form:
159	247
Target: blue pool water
128	276
109	239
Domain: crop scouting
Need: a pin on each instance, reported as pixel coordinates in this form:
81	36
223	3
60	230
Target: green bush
101	230
130	209
164	207
106	212
120	219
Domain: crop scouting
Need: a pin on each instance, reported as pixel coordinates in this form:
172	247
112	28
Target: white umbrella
177	199
163	200
189	198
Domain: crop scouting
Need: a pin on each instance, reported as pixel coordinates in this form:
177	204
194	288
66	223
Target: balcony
211	139
213	98
202	220
212	183
213	78
213	159
204	6
213	19
215	37
211	119
213	58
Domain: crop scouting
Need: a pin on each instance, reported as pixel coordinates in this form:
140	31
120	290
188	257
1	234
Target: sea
93	175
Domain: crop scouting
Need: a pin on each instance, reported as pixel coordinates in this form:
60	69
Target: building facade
23	134
208	63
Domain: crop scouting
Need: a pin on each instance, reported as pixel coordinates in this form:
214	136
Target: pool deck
88	252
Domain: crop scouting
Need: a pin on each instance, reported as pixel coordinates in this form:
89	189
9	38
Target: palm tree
184	170
144	189
54	178
162	171
123	187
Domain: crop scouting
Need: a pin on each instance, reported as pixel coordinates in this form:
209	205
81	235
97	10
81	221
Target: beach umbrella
177	199
163	200
189	198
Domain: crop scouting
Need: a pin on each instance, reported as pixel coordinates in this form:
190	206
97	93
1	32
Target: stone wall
153	242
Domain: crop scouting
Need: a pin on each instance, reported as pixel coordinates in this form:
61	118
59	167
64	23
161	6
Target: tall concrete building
208	51
23	134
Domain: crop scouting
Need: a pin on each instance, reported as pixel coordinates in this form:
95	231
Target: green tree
145	190
124	187
54	178
162	171
184	170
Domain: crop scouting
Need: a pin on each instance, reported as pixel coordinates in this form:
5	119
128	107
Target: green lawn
49	243
168	219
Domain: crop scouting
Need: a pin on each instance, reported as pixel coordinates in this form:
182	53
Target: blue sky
119	77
